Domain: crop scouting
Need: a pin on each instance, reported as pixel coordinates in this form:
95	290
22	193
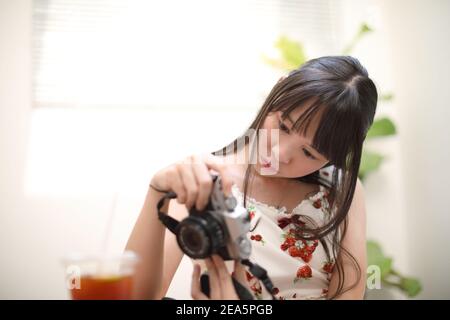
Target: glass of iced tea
96	277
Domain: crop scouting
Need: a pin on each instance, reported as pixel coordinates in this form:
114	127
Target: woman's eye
308	154
283	127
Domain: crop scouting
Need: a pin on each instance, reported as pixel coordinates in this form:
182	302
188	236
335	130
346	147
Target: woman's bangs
337	132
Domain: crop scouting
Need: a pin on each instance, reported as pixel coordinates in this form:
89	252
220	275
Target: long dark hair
339	86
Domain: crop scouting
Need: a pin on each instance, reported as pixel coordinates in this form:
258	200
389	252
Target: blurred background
97	95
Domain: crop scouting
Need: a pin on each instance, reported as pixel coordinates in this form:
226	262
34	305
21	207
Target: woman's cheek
303	167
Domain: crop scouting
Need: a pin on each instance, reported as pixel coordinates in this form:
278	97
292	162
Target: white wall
15	82
420	51
384	189
60	169
406	199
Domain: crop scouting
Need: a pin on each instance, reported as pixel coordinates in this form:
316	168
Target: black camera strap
259	272
167	220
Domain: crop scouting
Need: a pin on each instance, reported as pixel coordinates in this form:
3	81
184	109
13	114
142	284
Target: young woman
307	213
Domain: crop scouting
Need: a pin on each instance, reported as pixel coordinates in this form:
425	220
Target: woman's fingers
217	164
214	282
176	184
239	272
226	283
220	281
191	179
196	291
197	181
190	183
204	181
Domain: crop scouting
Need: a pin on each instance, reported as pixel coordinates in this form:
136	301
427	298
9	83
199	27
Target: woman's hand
191	180
220	282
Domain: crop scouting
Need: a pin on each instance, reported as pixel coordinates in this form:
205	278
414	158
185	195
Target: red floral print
292	226
251	211
304	272
283	222
328	267
298	248
317	204
258	238
256	289
254	285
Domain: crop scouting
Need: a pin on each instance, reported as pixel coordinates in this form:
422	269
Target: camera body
220	228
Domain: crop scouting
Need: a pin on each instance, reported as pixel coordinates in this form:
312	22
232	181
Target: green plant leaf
277	63
381	128
363	30
386	97
375	256
411	286
370	161
291	51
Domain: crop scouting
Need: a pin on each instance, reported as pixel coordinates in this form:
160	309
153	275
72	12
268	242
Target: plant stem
394	284
395	273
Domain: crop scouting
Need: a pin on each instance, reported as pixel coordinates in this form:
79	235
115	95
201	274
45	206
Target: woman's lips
266	163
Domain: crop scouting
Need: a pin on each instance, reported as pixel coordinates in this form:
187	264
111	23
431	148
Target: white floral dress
298	269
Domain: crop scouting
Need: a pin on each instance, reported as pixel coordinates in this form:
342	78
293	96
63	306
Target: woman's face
291	155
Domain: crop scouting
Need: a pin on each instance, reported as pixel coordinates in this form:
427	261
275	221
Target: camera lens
199	237
194	238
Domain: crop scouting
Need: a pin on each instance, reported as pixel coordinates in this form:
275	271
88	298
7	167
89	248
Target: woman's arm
158	250
355	243
146	240
159	259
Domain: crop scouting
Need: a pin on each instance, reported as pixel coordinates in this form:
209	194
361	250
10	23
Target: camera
220	228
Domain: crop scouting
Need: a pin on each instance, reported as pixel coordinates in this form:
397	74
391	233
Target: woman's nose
285	154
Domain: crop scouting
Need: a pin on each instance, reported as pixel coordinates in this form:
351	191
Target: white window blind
167	54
